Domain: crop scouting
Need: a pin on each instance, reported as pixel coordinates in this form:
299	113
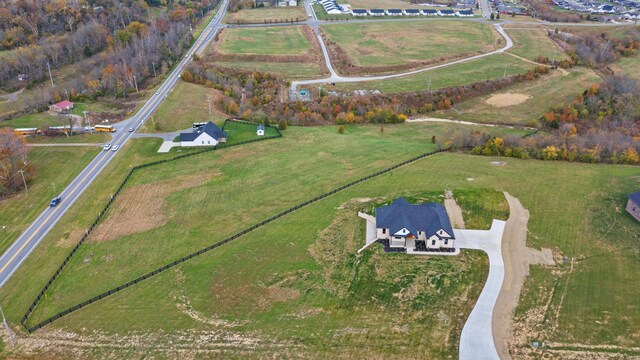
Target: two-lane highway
24	245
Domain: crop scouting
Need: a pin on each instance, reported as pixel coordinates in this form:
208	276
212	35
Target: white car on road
115	148
107	147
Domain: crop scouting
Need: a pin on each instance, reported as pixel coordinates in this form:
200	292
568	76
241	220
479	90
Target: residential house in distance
376	12
447	12
394	12
429	12
62	106
464	13
260	130
412	228
633	205
359	12
208	134
411	12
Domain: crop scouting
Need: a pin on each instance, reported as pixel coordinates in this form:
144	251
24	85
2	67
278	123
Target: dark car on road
55	201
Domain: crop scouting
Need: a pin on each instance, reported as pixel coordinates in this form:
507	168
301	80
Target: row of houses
333	8
411	12
627	8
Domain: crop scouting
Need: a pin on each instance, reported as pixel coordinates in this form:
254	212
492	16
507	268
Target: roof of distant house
412	11
63	104
209	128
429	217
635	197
260	127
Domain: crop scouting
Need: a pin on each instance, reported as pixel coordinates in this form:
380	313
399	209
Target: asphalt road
27	242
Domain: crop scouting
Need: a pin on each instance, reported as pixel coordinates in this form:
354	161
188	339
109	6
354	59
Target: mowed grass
281	285
288	70
89	138
533	42
287	40
629	66
273	14
186	104
240	186
544	93
58	165
490	67
238	132
399	43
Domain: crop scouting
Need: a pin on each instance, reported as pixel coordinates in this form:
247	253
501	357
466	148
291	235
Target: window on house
203	142
433	243
446	242
208	142
384	231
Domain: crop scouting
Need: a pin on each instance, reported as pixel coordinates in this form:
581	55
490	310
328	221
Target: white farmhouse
208	134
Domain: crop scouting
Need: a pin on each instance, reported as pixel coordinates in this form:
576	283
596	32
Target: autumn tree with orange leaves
13	160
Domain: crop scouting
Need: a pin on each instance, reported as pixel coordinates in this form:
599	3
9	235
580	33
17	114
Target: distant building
394	12
413	227
633	205
62	106
359	12
447	12
207	135
376	12
260	130
429	12
23	77
464	13
411	12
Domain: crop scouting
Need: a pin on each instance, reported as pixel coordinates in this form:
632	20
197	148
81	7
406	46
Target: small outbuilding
633	205
260	130
62	106
207	135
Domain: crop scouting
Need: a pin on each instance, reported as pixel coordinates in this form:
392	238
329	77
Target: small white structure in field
207	135
260	130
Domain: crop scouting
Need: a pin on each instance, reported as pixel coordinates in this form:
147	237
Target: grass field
185	104
490	67
629	66
93	138
216	181
58	165
543	93
278	14
238	132
264	41
390	43
533	42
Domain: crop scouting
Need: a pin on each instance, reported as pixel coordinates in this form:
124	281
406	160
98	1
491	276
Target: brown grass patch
141	208
507	99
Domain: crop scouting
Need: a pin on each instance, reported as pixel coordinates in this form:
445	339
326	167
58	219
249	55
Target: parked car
107	147
130	129
55	201
115	148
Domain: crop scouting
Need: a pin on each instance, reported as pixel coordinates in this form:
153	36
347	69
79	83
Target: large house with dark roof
208	134
633	205
413	227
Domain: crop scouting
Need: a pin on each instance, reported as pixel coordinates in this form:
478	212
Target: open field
239	132
94	138
185	104
629	66
490	67
391	43
541	94
532	42
279	14
321	300
44	119
57	165
264	41
238	168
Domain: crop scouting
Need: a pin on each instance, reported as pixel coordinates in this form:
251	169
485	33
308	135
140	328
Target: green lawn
402	42
544	93
533	42
287	70
238	132
223	172
96	137
296	287
186	104
40	120
490	67
57	165
286	40
629	66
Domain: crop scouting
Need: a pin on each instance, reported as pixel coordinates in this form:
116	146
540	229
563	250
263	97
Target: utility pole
54	188
66	93
26	190
50	77
153	63
6	326
209	101
505	72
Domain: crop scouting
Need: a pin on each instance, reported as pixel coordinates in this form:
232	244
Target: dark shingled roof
635	197
429	217
210	128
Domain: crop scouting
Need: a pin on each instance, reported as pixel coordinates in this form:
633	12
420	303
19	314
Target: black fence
102	213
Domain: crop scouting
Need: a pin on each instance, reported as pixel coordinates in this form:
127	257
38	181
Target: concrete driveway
476	341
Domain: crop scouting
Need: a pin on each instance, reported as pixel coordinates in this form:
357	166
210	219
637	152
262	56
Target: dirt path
517	258
453	210
438	120
562	71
